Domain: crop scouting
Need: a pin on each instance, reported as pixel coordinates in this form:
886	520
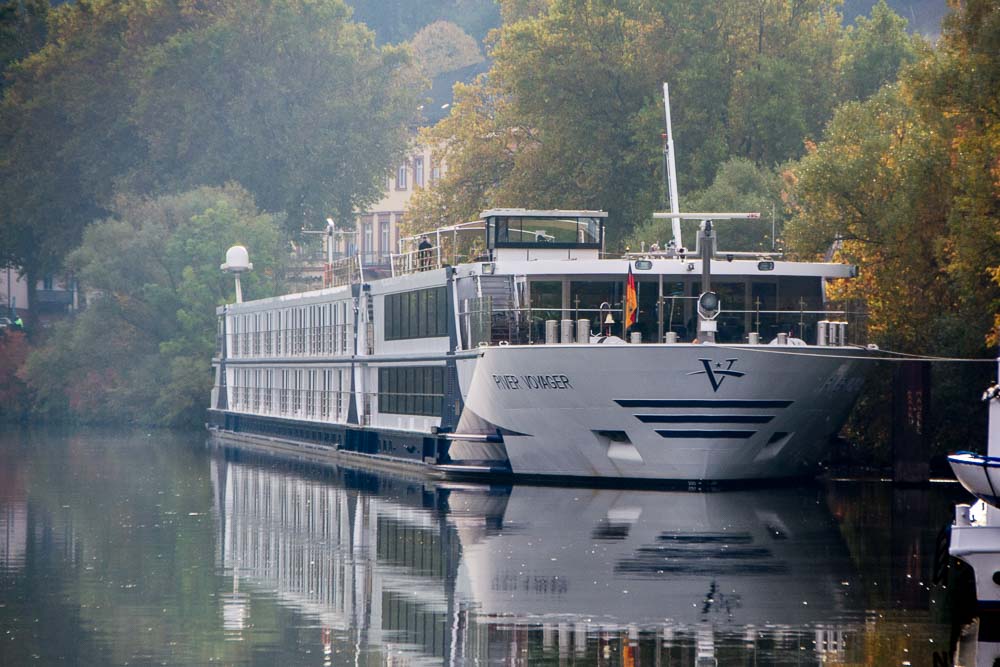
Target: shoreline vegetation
141	138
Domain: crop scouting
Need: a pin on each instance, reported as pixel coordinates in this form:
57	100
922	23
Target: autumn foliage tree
14	397
907	185
570	115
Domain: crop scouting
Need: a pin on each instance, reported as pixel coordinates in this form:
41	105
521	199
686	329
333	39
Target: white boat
975	533
980	475
517	363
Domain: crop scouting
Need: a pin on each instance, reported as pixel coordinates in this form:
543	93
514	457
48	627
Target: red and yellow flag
631	300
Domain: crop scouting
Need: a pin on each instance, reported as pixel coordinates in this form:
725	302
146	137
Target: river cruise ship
541	357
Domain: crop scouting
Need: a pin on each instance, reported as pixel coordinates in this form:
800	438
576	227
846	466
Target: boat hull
663	412
980	475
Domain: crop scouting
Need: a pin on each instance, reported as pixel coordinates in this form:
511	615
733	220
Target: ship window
404	316
413	312
797	294
421	297
416	314
521	231
409	389
414	390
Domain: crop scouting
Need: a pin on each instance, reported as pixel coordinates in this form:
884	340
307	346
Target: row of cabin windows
321	329
413	390
417	314
303	393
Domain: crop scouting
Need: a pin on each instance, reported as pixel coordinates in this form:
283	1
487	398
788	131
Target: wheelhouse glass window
527	231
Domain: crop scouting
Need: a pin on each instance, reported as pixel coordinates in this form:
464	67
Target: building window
435	171
47	283
366	247
414	390
401	177
418	172
384	238
417	314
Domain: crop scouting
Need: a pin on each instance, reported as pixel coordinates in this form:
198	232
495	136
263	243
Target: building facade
377	230
54	295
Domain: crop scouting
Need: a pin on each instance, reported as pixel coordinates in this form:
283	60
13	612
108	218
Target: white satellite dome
237	260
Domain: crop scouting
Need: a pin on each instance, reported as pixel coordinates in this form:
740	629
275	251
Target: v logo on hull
717	371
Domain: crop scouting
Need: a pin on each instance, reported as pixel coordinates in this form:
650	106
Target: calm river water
145	549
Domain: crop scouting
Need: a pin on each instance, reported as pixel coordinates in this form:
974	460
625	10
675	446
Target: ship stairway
497	293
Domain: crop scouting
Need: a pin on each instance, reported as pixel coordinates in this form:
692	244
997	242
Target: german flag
631	300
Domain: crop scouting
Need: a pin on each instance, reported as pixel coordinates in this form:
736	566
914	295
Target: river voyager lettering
516	382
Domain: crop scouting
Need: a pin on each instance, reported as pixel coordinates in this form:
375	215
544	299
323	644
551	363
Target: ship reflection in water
459	574
151	549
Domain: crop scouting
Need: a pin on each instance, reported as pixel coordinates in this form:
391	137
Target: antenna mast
675	224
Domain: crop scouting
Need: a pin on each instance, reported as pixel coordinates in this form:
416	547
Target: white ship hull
655	412
491	367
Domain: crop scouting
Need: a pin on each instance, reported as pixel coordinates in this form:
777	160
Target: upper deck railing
425	259
482	324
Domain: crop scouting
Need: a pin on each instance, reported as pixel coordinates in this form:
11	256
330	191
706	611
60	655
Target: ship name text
518	382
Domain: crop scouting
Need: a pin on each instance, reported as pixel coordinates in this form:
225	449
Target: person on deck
424	253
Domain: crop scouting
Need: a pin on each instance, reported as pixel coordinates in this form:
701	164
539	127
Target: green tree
23	26
396	21
289	98
876	189
767	113
557	122
140	351
571	114
443	47
874	51
64	131
739	186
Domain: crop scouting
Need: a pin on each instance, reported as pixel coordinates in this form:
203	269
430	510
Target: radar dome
237	260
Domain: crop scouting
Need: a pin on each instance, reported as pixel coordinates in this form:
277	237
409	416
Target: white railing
322	340
481	323
416	260
322	404
346	271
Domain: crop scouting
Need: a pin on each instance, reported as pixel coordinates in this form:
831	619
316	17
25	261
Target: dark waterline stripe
700	403
740	435
705	419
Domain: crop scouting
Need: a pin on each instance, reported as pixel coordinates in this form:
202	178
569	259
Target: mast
675	225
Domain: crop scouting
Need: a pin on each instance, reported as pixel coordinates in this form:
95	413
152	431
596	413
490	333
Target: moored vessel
541	357
975	534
